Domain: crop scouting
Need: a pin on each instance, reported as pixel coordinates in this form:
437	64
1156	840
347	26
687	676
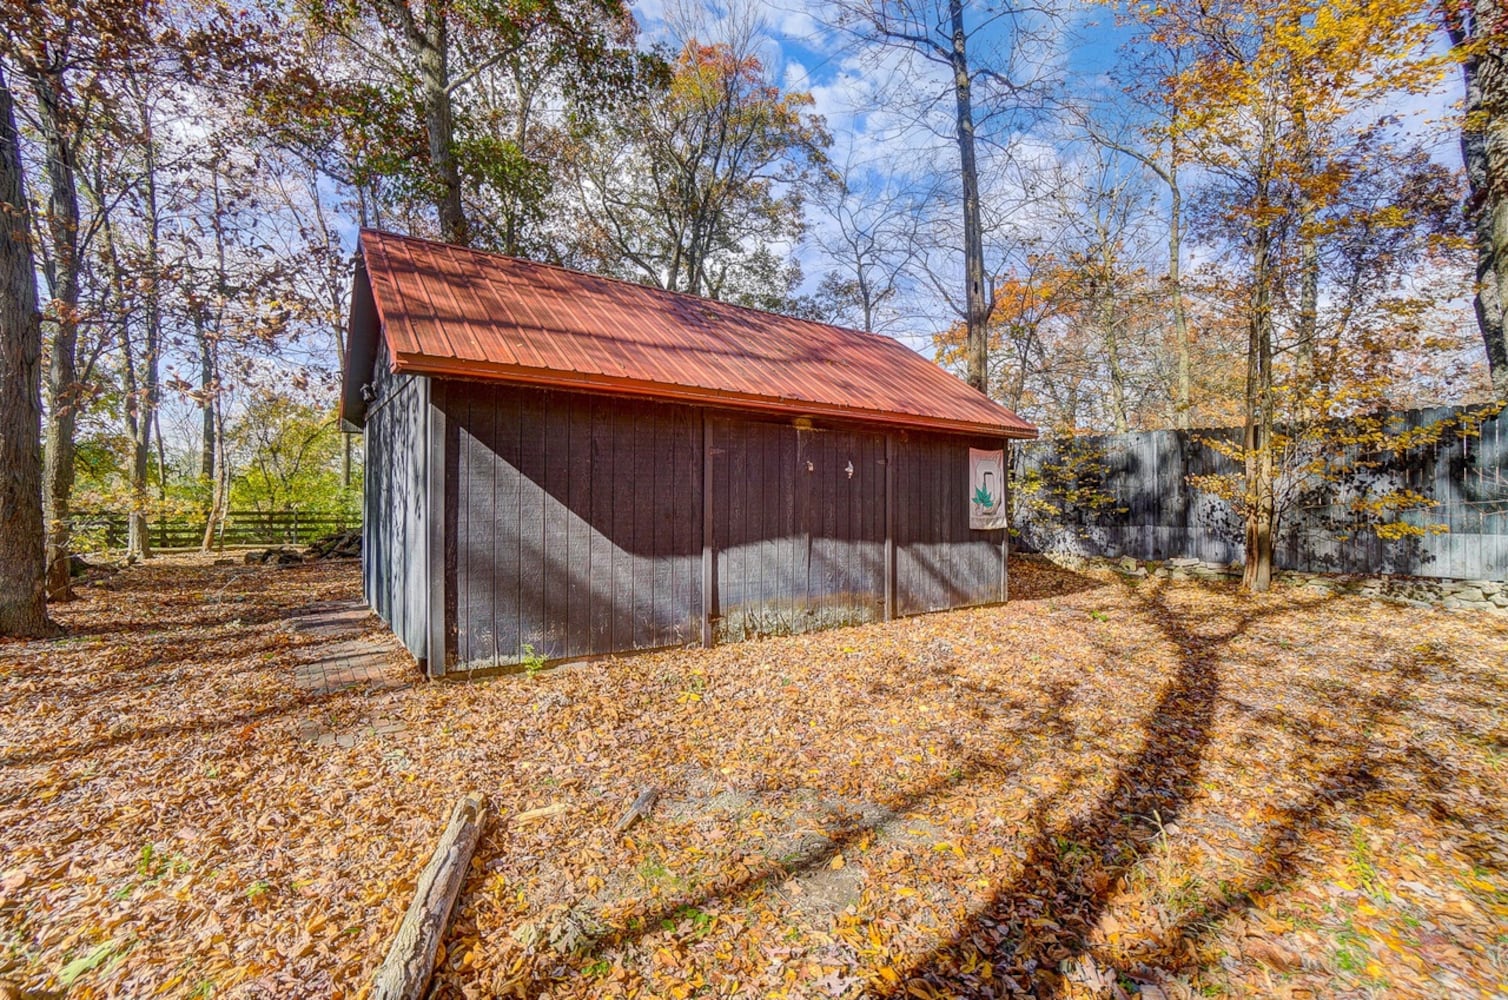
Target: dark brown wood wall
800	543
575	524
940	562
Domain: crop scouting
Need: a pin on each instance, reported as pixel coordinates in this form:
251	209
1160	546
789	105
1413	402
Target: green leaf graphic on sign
982	497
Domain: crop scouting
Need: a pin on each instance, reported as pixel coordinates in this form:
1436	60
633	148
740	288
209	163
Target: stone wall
1476	595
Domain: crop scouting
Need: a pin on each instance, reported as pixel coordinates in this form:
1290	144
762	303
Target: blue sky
854	90
849	85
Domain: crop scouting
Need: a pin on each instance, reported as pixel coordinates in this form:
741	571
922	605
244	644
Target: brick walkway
356	655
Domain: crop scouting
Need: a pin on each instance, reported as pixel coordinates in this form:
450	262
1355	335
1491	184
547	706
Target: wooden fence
108	529
1149	510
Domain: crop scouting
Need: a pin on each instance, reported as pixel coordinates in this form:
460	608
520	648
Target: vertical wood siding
394	549
577	524
799	541
940	561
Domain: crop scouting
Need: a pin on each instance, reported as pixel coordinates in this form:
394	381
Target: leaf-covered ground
1105	787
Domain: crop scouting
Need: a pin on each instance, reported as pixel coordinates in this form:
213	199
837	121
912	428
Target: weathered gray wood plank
1165	517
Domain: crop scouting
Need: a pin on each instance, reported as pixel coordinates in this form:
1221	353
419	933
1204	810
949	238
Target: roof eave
363	330
425	364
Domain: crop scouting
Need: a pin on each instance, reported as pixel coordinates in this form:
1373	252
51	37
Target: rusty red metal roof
461	313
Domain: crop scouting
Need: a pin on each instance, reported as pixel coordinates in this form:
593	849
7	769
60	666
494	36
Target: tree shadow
246	613
160	670
199	726
1035	578
845	830
1350	778
1044	916
1057	887
1039	925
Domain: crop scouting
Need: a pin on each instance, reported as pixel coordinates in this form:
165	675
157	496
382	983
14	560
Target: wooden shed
562	465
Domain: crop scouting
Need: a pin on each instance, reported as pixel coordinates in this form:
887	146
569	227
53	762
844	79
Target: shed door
798	527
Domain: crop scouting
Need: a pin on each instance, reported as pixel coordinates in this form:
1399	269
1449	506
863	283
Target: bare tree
992	66
1162	156
143	370
1102	210
870	239
47	71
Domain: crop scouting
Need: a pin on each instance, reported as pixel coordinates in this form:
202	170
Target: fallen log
637	811
543	812
410	962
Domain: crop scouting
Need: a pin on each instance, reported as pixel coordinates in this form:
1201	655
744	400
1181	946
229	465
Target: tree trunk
214	408
1109	331
977	306
63	390
135	528
1184	390
116	303
1257	445
522	96
431	47
1118	414
1183	383
208	378
23	603
1307	326
1476	27
210	445
1307	323
162	456
220	486
206	411
139	543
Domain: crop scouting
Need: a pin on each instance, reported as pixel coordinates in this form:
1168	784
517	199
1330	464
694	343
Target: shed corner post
438	620
1005	533
889	526
708	554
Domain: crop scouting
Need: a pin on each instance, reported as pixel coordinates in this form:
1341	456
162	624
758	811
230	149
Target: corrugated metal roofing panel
452	311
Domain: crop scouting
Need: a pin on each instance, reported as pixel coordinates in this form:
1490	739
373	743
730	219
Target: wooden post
434	663
410	962
708	555
889	526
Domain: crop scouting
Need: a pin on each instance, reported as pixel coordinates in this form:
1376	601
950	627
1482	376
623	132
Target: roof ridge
666	292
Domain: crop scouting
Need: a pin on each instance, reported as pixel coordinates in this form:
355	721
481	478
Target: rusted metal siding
575	524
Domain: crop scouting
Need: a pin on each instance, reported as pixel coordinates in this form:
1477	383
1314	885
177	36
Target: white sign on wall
986	489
